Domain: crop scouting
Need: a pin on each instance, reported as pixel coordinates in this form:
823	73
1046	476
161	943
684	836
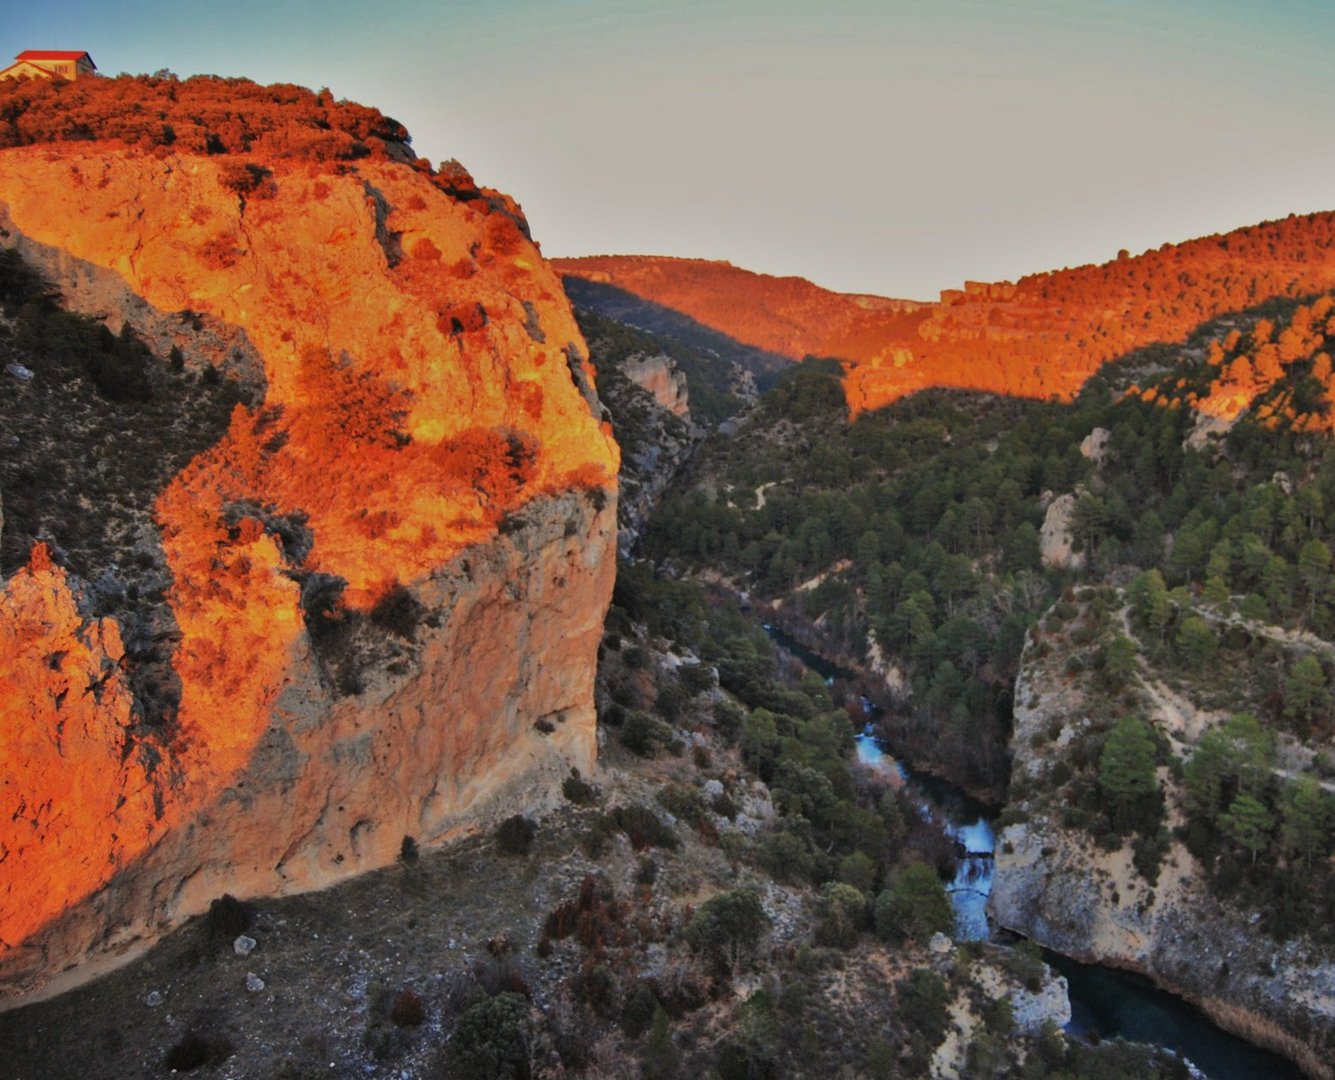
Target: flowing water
965	821
1105	1003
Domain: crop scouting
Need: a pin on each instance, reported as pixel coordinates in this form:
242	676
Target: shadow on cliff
96	427
625	307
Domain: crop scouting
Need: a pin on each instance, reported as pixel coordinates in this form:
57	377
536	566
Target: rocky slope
382	586
647	396
1040	337
1091	900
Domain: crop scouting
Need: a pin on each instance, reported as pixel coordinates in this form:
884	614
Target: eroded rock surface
386	579
1056	886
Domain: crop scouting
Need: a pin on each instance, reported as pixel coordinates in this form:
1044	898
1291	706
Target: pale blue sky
896	146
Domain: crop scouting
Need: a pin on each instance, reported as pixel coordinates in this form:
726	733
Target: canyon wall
376	598
1041	337
1056	885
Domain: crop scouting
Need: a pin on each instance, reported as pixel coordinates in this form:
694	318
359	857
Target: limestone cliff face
659	377
1055	885
386	581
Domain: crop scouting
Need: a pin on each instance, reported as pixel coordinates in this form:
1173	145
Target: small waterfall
974	846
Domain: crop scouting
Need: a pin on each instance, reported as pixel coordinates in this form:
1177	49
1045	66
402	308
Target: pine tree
1126	775
1304	689
1248	824
1307	815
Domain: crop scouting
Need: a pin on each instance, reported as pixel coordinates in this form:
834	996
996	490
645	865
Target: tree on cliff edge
1127	779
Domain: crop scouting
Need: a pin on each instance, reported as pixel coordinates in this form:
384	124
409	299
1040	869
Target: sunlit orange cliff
1042	336
388	577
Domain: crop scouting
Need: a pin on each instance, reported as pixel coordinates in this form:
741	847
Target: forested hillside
909	539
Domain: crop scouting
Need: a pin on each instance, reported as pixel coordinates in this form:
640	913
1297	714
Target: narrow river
1105	1003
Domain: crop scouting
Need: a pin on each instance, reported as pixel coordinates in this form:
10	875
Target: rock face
1054	885
645	394
1056	545
386	580
659	377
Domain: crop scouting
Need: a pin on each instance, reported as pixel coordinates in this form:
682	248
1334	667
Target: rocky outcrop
659	377
1054	885
385	582
645	395
1056	544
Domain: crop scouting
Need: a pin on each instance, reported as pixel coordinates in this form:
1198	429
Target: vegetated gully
1105	1002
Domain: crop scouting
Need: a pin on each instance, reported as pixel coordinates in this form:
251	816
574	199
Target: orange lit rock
427	409
1041	337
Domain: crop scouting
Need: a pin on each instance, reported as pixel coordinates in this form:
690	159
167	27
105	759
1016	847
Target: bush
643	733
915	906
398	612
786	856
643	828
1025	962
843	914
407	1010
638	1012
727	926
515	835
228	918
578	790
684	801
491	1040
923	1000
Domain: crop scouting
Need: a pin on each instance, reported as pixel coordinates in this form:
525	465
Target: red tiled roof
53	54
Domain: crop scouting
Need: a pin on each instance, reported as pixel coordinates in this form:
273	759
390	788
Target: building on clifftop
50	64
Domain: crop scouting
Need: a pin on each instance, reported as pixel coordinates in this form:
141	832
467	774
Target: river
1105	1003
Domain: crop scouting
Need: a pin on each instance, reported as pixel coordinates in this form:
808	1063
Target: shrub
407	1010
228	918
724	806
643	828
578	790
594	842
914	906
727	926
638	1012
697	678
684	801
786	856
491	1040
1025	962
923	1000
858	870
843	914
643	733
515	835
398	612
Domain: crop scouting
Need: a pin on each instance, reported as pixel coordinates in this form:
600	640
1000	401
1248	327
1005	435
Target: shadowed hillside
1040	337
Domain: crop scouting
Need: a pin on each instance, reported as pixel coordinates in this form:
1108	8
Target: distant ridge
1042	336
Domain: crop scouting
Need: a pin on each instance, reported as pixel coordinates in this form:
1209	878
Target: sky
885	146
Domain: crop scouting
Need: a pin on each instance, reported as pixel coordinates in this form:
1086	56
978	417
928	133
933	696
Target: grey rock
253	982
244	946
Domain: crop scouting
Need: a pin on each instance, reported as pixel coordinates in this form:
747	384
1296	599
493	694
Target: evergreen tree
1304	689
1307	815
1248	824
1127	778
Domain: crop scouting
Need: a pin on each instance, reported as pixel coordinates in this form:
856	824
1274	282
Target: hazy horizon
893	147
